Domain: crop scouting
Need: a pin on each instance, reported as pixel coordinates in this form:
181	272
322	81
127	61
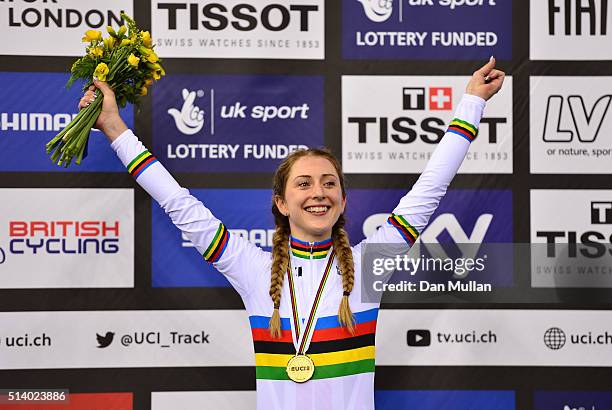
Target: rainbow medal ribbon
300	367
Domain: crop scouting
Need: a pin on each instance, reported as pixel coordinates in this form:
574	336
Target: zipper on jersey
311	246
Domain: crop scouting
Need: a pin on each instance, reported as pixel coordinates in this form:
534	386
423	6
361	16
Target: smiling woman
313	334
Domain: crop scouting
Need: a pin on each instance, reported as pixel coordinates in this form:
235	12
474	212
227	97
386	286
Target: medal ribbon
315	305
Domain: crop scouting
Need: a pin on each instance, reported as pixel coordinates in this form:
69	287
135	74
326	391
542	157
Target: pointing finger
487	68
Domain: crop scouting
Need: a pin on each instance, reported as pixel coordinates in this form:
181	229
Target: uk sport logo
377	10
190	119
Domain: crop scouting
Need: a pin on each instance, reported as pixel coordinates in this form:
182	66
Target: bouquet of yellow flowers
127	61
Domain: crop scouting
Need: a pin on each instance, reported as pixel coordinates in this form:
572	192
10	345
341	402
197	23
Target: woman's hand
486	81
109	121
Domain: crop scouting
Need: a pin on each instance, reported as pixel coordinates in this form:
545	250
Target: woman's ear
281	205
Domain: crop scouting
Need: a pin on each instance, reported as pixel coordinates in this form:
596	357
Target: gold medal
300	368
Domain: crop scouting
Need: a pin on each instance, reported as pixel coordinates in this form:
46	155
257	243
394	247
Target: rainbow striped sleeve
139	164
218	245
463	129
408	232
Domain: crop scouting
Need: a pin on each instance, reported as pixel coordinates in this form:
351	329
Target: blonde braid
280	262
345	262
280	241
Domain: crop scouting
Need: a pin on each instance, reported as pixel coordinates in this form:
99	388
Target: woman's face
313	198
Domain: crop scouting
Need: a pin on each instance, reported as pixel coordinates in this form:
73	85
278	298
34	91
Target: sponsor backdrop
100	294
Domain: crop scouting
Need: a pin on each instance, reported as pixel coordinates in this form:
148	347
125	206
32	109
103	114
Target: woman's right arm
231	255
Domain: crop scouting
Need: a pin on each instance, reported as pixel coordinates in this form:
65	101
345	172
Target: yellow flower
153	58
122	31
111	31
156	75
162	71
148	82
133	60
96	51
109	42
101	72
143	91
91	35
146	39
145	51
126	42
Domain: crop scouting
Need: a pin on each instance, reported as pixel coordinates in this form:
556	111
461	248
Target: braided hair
280	243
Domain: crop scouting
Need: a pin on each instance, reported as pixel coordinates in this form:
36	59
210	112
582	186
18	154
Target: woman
313	336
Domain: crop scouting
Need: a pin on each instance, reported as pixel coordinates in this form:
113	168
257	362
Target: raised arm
230	254
412	214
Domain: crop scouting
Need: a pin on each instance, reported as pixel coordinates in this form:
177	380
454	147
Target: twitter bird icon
104	341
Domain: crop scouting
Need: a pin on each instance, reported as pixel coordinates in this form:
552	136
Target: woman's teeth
316	209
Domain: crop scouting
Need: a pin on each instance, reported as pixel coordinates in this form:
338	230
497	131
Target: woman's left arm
412	214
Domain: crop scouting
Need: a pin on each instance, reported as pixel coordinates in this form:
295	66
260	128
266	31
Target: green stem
55	140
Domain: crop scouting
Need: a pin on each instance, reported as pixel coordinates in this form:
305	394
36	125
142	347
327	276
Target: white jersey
344	373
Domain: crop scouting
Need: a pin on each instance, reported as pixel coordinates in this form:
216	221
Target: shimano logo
34	121
190	119
259	237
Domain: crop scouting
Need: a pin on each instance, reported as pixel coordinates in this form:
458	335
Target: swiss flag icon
440	98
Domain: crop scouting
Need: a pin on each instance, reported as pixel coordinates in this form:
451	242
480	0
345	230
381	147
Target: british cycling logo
377	10
190	119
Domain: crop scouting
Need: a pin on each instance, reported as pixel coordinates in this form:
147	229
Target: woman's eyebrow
310	176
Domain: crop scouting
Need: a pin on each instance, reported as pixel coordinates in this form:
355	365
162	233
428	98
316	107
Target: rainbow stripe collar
310	250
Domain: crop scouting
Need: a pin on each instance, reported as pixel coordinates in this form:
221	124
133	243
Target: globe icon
554	338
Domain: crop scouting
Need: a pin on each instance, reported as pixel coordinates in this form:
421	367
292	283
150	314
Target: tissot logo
601	213
239	28
440	98
592	239
242	16
405	130
392	124
576	238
